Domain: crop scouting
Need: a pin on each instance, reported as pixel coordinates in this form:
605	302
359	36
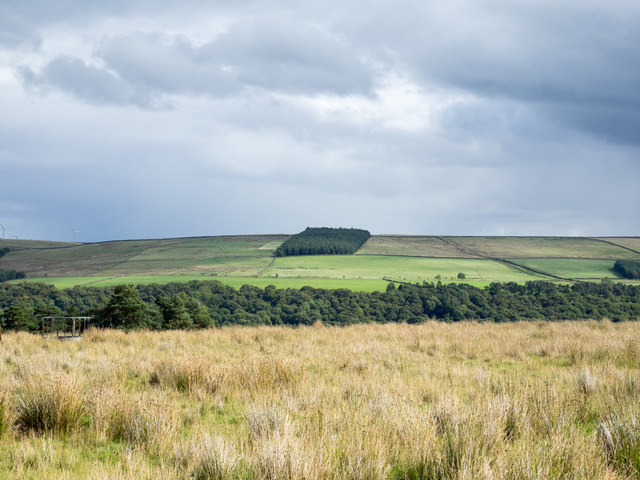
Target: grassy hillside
503	247
236	260
233	255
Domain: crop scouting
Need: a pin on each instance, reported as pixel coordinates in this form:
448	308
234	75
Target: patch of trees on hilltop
323	241
627	268
4	251
202	304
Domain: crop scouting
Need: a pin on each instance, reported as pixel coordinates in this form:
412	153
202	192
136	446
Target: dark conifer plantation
627	268
324	241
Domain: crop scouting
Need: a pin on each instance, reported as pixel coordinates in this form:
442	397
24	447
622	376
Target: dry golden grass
434	401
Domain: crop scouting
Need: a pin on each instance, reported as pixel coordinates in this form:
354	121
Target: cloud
440	117
87	82
14	32
270	54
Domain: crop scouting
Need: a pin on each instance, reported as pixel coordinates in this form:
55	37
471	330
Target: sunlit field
468	400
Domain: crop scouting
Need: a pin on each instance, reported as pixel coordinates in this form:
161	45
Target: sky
153	119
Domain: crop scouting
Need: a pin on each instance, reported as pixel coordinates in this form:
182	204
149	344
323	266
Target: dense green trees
210	303
6	275
18	317
323	241
125	309
627	268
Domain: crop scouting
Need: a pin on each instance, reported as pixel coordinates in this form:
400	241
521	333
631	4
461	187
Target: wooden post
73	332
43	328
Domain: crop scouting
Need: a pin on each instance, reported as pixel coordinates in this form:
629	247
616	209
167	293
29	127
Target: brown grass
432	401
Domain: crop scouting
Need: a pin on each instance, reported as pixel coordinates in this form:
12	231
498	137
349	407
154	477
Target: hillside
249	259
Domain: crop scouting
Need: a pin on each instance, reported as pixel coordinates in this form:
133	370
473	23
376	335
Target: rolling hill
237	260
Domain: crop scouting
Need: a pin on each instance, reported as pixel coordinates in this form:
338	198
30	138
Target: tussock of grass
147	420
191	374
4	410
620	437
207	458
266	374
49	402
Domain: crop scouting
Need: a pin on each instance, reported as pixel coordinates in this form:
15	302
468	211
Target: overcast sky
140	118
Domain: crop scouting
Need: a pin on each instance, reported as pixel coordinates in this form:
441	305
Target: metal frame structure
59	324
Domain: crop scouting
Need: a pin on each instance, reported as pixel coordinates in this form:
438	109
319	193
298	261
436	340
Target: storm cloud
149	119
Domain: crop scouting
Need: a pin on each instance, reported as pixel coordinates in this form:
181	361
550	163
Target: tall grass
432	401
48	402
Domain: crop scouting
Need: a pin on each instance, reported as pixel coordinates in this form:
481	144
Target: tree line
627	268
6	275
203	304
323	241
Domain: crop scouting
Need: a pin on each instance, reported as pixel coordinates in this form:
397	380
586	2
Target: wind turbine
15	236
3	229
74	231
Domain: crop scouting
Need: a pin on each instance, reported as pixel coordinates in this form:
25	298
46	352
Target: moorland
538	400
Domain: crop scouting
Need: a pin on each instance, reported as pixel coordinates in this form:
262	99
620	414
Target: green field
236	260
571	268
367	285
408	269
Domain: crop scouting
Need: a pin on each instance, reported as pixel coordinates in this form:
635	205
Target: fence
65	327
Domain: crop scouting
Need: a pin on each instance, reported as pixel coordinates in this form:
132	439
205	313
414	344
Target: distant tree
18	317
461	276
177	316
199	314
125	309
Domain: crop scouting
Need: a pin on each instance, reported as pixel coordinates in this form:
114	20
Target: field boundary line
259	274
128	259
509	263
615	244
101	280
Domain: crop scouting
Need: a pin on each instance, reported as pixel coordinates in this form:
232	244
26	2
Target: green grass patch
359	285
571	268
406	269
